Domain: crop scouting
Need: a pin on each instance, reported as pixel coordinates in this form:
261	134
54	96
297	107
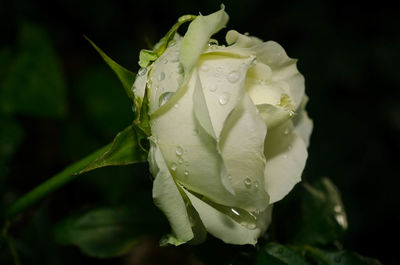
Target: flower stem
52	184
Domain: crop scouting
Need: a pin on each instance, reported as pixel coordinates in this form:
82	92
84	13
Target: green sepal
146	57
125	76
124	150
142	123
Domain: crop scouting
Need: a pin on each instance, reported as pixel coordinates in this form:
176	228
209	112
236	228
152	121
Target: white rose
229	132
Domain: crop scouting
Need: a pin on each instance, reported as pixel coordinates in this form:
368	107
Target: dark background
59	101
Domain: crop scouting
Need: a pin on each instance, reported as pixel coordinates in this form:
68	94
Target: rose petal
286	156
284	68
168	198
190	153
225	228
242	148
223	81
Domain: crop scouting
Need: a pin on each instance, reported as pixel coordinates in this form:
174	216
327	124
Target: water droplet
179	151
247	182
174	166
219	69
180	160
186	173
235	212
212	42
224	98
286	132
291	113
161	76
180	69
233	76
256	184
149	83
204	68
176	106
251	226
142	71
243	223
175	58
165	97
196	132
285	156
213	87
164	61
230	177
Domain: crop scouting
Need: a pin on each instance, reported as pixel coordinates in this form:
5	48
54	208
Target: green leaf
318	211
323	216
124	150
335	257
34	84
103	232
277	254
125	76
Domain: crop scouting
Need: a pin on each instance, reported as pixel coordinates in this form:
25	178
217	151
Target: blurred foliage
33	80
59	102
319	213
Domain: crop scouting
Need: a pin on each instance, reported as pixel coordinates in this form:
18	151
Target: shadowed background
59	101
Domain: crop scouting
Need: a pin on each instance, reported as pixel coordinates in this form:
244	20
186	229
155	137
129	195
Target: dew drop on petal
186	173
179	151
174	166
223	98
142	71
161	76
286	132
235	212
204	68
180	160
176	106
164	61
256	184
213	87
285	156
233	76
247	182
164	98
196	132
212	42
251	226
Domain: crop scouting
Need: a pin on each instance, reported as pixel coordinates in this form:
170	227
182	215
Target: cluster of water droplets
180	162
249	183
232	77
